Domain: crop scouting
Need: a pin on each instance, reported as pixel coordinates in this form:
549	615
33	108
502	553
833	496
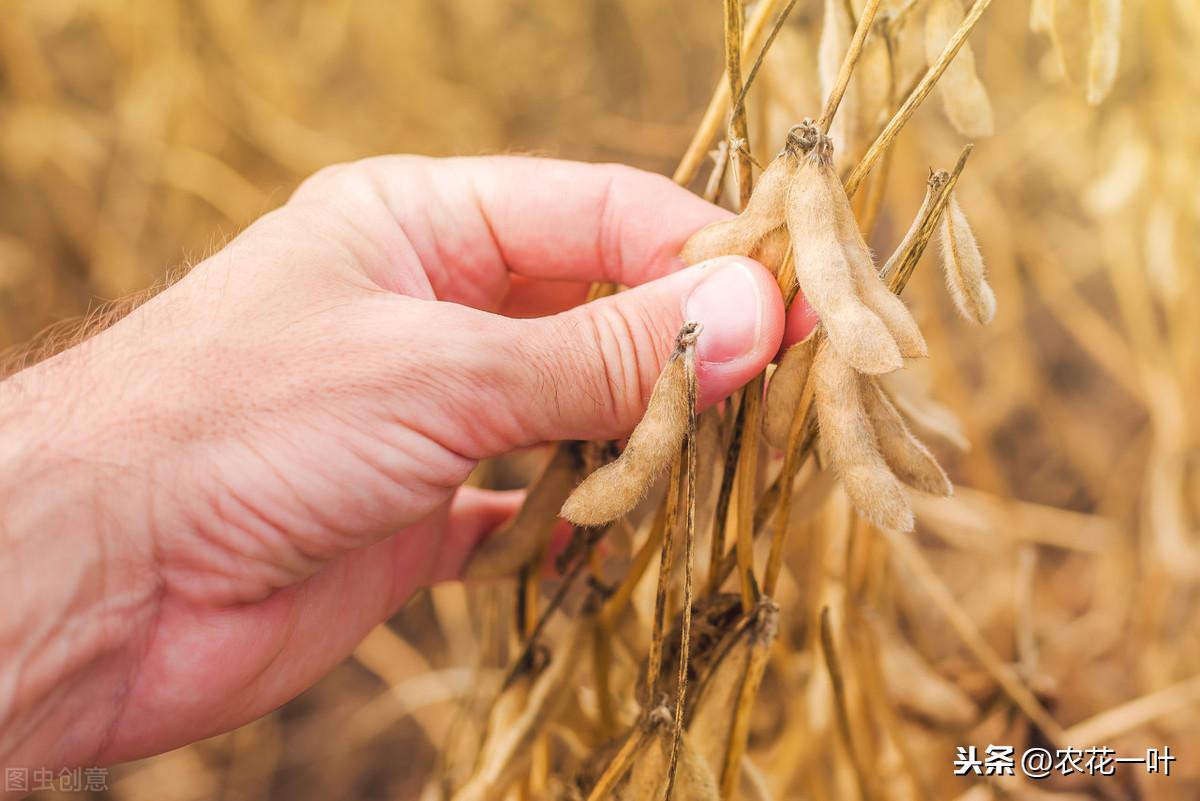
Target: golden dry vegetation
1050	601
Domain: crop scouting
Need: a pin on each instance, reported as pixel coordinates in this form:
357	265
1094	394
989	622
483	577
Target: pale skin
206	506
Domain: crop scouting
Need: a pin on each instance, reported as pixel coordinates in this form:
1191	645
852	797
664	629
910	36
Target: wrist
76	552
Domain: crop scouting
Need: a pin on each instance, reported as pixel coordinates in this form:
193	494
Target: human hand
223	492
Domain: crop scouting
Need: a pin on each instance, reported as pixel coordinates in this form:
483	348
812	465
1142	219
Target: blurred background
139	136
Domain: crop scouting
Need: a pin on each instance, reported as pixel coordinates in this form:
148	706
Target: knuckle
323	181
629	342
352	177
622	183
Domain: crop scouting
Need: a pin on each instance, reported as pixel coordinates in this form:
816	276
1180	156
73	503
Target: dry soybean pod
640	736
652	778
910	461
715	699
905	260
871	289
822	270
747	233
848	442
785	389
963	265
918	690
614	489
914	99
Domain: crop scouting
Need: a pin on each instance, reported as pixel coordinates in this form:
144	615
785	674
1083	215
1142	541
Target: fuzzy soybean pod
963	265
613	490
759	232
785	391
963	94
871	288
910	461
825	274
848	443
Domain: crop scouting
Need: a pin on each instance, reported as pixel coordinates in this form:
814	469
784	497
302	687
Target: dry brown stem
915	98
833	664
865	21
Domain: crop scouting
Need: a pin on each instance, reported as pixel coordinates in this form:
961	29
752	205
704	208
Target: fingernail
728	304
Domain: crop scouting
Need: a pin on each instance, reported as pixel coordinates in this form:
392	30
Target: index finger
565	220
474	222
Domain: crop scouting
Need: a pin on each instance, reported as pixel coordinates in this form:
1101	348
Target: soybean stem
848	63
718	105
685	637
838	681
654	667
739	151
915	98
746	484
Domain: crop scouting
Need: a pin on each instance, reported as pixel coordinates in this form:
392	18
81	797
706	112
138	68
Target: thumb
601	360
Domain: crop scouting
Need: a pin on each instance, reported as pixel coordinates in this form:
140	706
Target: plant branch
915	98
848	63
